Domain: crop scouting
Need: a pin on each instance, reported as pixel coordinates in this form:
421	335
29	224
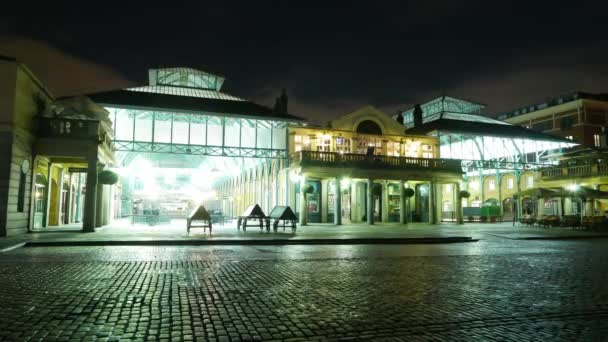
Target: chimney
280	103
417	116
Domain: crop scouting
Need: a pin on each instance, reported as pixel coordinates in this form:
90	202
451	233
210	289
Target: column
370	202
385	201
337	201
99	204
402	207
303	207
49	178
432	217
60	196
458	204
78	193
88	220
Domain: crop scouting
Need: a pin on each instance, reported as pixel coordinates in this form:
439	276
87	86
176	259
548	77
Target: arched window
369	127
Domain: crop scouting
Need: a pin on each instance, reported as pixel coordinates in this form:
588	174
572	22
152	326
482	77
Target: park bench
200	215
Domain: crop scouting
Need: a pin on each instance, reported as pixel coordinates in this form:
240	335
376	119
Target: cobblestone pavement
207	293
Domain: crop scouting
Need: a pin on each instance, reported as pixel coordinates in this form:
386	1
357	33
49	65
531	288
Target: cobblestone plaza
528	290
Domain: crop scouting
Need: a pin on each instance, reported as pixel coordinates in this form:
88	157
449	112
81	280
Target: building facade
580	117
52	152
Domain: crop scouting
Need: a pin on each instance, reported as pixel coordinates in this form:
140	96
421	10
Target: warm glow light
573	187
345	183
474	185
294	177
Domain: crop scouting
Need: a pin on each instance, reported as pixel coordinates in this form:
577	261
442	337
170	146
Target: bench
253	212
284	214
200	215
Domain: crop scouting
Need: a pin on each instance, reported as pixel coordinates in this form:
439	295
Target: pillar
49	178
59	198
385	201
337	201
402	207
370	202
432	217
303	208
99	204
88	220
458	204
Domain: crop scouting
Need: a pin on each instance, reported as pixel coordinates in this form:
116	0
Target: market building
180	141
498	159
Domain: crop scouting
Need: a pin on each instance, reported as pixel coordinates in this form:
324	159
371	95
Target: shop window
448	188
510	183
529	181
297	139
596	140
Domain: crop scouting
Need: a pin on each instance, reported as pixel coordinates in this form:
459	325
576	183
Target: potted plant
107	177
408	193
306	189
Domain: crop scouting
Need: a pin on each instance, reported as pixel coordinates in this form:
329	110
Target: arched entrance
507	209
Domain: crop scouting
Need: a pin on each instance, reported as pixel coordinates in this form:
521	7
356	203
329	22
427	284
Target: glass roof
448	104
185	77
472	118
189	92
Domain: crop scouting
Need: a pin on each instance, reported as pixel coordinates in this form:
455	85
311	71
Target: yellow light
345	183
573	187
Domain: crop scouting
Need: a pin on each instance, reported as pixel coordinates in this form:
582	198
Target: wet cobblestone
455	298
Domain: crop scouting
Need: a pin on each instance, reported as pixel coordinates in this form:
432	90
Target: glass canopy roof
436	108
185	77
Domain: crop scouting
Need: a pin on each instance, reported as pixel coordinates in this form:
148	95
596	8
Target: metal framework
208	135
436	108
497	153
185	77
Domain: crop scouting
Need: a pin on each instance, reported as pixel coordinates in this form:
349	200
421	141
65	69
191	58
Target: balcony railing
65	128
572	171
333	159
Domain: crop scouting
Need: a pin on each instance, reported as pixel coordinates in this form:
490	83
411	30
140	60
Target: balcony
65	128
362	161
575	171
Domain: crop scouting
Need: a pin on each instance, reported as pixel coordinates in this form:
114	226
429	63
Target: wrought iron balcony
574	171
350	160
66	128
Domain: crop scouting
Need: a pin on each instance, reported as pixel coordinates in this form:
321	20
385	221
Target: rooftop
186	90
552	102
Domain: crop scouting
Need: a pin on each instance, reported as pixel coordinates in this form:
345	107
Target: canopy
583	192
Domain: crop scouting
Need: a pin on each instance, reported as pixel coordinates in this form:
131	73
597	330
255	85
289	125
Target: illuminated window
492	184
324	142
474	185
393	149
510	183
411	149
427	151
448	188
596	140
529	181
298	143
366	141
342	145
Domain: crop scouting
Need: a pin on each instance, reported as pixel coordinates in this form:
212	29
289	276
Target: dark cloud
333	57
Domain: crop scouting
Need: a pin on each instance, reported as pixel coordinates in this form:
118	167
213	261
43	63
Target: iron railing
568	171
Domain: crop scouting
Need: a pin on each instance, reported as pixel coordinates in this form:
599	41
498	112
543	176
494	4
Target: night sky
332	58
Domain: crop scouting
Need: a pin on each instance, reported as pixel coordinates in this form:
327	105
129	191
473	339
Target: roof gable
349	122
